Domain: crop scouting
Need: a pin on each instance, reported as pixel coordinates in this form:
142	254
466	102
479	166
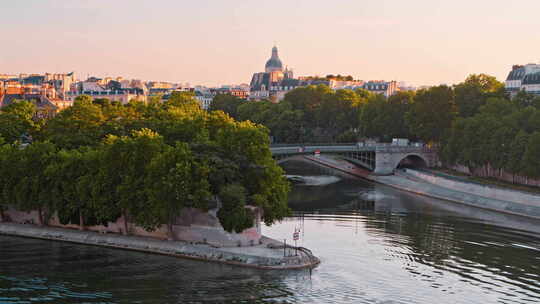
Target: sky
215	42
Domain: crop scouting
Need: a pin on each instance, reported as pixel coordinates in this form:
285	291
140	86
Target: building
7	76
274	82
114	89
204	98
386	88
123	96
531	83
47	92
46	101
345	84
234	91
523	78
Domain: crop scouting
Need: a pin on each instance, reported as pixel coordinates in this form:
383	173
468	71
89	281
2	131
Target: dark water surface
377	245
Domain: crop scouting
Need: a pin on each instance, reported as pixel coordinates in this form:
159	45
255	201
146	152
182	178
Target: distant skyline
215	42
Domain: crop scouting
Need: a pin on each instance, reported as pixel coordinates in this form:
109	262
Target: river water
377	245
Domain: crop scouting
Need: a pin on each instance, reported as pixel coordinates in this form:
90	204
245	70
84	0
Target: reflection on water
306	180
377	245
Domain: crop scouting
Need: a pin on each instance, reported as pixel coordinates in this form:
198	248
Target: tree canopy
99	160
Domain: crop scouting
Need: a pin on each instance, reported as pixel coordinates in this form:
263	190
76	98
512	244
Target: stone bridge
381	159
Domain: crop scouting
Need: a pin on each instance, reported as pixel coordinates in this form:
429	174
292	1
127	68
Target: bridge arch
413	160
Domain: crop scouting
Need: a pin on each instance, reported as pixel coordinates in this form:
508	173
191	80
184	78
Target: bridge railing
311	145
383	148
311	149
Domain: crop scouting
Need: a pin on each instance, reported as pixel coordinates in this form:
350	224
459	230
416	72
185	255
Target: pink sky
224	41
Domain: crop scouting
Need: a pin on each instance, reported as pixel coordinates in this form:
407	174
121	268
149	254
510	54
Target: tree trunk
170	231
40	216
124	214
81	221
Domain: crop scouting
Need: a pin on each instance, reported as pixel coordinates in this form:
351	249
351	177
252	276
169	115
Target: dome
274	63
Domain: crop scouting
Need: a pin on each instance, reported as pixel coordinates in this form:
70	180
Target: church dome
274	63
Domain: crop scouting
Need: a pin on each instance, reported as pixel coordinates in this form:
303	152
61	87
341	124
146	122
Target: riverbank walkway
267	255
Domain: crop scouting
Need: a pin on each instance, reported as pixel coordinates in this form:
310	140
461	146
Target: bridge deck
299	149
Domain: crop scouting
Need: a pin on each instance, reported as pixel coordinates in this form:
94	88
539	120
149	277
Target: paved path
262	256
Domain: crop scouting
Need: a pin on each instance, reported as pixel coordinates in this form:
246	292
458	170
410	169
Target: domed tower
274	63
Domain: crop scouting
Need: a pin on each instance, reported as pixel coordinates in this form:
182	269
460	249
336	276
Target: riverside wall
496	199
267	255
451	191
193	225
486	191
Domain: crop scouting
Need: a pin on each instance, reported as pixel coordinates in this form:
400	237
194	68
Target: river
377	245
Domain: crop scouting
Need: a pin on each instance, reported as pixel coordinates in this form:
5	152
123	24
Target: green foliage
99	160
78	125
227	103
432	113
175	180
124	169
233	214
473	93
502	135
474	123
373	118
308	114
17	120
183	100
532	156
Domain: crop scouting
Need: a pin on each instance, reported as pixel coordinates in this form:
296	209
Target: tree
397	107
471	94
227	103
175	180
123	170
385	118
372	120
17	120
113	162
233	214
9	175
531	158
78	125
432	113
32	188
183	100
73	177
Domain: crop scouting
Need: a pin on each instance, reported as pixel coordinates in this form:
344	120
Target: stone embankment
454	190
463	192
267	255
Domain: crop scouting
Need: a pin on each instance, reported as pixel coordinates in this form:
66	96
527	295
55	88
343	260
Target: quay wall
502	200
255	257
478	189
193	225
416	185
